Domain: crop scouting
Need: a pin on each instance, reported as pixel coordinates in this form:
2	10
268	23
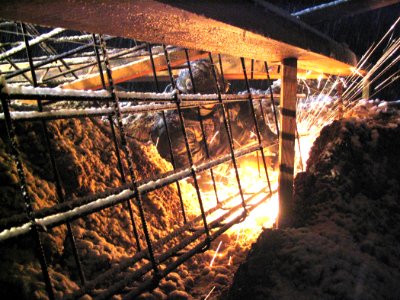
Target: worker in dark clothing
241	121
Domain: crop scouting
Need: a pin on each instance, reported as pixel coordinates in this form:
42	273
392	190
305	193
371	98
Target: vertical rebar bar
253	113
189	154
56	174
128	156
252	69
52	59
228	116
153	66
203	132
299	149
116	146
221	69
14	65
272	98
228	132
25	195
48	48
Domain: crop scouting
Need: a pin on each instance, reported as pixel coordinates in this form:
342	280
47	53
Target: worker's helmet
204	81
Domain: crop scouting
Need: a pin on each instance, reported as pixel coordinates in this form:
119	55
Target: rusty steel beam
254	30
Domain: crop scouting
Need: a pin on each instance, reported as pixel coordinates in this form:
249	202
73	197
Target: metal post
287	140
116	146
168	134
57	178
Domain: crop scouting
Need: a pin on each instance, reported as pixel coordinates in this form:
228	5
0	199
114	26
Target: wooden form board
232	70
240	28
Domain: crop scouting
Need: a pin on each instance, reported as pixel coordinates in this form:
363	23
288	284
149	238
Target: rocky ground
344	242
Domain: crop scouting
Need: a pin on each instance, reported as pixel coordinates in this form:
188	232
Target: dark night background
359	32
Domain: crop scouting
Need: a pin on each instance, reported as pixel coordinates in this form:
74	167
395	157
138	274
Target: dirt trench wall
87	164
345	242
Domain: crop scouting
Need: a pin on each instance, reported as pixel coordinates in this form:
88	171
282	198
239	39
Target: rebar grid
117	151
171	154
193	238
56	174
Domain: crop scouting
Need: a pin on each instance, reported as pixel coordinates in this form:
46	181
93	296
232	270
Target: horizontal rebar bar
52	59
61	215
93	63
199	247
126	262
55	94
22	116
167	254
32	42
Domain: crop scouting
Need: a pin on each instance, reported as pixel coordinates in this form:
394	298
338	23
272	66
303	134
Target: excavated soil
345	239
87	164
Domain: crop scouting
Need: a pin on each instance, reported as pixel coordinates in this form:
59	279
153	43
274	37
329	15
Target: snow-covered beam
40	39
242	29
339	9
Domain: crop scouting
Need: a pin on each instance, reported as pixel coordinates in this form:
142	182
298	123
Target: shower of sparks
321	107
213	138
238	235
209	293
255	189
393	46
215	254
